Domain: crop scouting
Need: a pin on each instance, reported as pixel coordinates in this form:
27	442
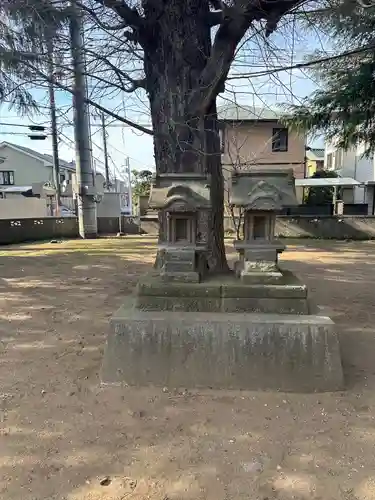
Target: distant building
253	136
351	163
22	167
314	160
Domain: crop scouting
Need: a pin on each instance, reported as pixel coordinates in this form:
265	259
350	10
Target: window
338	159
329	161
6	178
62	178
279	139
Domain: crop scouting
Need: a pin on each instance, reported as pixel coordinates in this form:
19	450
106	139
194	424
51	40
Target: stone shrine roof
193	190
261	189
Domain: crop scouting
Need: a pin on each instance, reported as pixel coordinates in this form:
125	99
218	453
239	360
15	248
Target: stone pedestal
223	295
222	351
253	329
258	260
223	333
185	263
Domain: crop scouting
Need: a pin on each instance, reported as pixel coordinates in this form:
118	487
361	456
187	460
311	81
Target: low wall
324	227
111	225
325	210
338	228
334	228
20	230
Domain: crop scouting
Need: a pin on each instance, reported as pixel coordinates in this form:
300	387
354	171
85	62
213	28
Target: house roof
315	154
326	181
39	156
15	189
239	112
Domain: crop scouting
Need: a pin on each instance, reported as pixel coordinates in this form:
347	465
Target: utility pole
130	194
55	146
88	227
105	150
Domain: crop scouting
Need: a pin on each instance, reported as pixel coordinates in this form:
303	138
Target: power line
32	137
303	65
30	127
71	145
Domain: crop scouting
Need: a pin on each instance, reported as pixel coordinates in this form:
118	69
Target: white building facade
20	166
352	163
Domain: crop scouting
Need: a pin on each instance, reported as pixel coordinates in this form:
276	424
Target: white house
22	167
351	163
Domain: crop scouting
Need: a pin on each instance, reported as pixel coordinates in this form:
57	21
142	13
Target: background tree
321	195
24	25
343	107
141	184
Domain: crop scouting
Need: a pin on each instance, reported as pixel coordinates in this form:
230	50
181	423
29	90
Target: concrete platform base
298	353
223	294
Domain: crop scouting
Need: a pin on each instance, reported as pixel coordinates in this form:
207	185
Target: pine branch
27	63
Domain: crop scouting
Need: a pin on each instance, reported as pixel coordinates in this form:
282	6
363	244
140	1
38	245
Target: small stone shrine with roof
255	328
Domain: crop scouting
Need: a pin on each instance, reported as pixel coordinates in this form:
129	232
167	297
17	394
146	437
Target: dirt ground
63	436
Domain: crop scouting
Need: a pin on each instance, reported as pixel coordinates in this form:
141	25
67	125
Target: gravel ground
64	437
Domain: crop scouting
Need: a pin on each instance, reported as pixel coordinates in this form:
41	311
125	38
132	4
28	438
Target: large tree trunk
186	139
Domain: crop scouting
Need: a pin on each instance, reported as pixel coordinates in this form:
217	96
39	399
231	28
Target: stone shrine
260	195
252	329
183	202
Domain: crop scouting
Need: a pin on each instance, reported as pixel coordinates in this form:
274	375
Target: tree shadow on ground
341	279
62	434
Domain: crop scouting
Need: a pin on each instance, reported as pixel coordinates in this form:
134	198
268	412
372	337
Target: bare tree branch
135	83
128	14
301	65
237	21
101	24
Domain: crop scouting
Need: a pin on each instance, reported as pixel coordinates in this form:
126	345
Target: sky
123	141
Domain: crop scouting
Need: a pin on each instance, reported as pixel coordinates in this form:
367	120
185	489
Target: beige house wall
250	143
